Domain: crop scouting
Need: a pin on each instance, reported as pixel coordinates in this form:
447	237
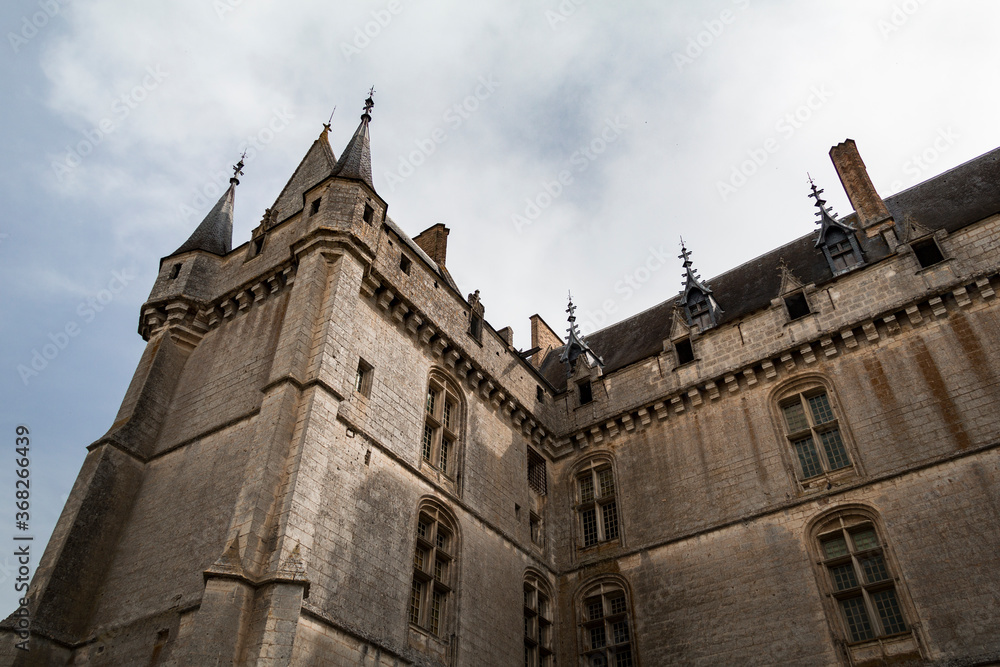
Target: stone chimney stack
434	241
873	216
544	338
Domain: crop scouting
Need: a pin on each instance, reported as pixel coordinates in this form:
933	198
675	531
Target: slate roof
966	194
316	166
356	161
215	233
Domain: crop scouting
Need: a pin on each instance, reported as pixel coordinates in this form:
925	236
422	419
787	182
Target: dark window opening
536	472
536	528
174	272
314	209
256	245
369	214
476	326
927	252
699	313
539	394
685	353
404	264
797	305
586	392
363	378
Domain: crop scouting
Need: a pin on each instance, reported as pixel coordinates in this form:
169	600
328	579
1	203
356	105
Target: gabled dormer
836	238
583	366
697	301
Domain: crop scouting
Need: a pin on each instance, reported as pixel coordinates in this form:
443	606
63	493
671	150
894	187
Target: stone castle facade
327	455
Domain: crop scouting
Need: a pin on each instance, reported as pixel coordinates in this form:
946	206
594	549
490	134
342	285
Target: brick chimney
544	338
873	216
434	241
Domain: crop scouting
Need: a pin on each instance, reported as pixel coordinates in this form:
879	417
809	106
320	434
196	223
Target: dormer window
586	392
927	251
699	311
842	251
797	305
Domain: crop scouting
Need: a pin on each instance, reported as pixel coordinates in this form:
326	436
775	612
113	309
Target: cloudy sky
568	145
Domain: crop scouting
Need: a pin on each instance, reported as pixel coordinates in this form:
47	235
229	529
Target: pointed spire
215	233
576	345
827	218
700	309
690	275
356	160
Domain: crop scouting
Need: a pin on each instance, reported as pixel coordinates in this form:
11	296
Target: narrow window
597	506
404	264
442	422
585	391
536	472
797	305
928	253
314	208
699	311
476	326
684	351
368	214
535	523
537	622
363	378
433	571
605	624
813	432
539	394
175	271
256	245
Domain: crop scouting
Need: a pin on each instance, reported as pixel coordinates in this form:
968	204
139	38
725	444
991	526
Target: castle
327	456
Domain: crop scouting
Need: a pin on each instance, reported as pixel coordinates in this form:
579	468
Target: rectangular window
836	455
368	214
857	619
428	442
363	378
797	305
416	592
808	459
888	611
449	408
598	639
445	450
314	208
536	472
928	253
586	489
814	434
684	351
610	512
607	482
589	527
404	264
585	391
437	602
536	528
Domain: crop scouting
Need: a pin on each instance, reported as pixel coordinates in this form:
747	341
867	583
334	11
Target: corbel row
188	322
802	356
420	328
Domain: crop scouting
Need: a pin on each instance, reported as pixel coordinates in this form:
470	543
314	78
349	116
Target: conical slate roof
215	233
356	161
317	166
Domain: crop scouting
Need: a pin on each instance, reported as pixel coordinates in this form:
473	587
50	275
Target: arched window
813	431
605	625
443	418
537	621
435	571
861	581
596	502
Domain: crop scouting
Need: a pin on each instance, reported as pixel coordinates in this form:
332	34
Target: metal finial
369	103
327	124
238	170
571	309
685	254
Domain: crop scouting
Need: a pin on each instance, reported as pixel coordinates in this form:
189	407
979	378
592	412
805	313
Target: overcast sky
567	145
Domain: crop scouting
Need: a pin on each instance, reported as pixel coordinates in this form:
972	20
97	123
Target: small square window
586	392
684	351
363	378
175	271
797	305
928	253
404	264
369	214
314	208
